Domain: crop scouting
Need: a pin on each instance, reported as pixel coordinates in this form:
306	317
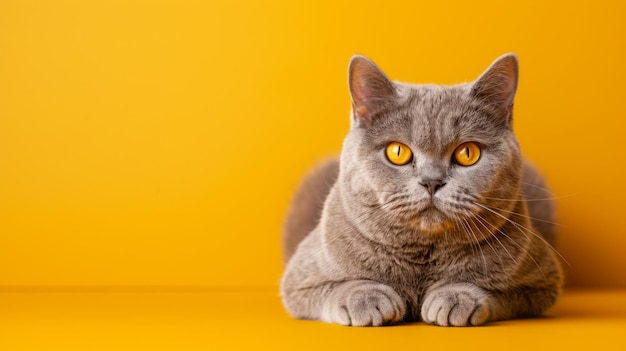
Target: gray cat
430	214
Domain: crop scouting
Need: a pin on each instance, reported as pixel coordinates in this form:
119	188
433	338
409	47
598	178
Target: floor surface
253	318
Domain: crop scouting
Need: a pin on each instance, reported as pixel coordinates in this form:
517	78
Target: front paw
457	305
364	303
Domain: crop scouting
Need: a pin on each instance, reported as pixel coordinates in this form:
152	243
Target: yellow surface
158	142
249	319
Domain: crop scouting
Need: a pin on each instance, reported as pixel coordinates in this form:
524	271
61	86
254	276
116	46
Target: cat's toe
374	308
456	305
364	303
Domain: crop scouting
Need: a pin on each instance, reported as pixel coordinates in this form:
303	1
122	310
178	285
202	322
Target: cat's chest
414	265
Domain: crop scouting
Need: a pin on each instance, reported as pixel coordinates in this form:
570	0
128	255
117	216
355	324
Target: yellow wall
158	142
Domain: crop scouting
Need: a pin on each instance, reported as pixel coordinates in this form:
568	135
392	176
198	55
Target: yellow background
159	142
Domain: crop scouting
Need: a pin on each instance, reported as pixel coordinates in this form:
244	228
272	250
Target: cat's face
433	159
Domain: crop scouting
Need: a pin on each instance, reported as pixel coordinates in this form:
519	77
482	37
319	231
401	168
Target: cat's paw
456	305
364	304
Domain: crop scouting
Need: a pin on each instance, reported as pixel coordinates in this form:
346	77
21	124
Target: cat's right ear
370	89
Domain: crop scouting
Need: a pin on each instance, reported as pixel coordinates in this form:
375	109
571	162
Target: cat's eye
467	154
398	153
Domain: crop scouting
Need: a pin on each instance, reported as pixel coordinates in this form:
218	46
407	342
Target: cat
430	214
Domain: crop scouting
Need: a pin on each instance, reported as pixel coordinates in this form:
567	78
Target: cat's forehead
432	116
433	105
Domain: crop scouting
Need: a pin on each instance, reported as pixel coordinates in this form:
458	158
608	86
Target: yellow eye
467	154
398	153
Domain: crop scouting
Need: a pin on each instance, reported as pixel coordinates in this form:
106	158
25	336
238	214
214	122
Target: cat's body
371	242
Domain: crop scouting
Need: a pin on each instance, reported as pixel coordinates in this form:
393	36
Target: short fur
379	247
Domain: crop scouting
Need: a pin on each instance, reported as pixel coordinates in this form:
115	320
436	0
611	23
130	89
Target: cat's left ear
496	87
370	89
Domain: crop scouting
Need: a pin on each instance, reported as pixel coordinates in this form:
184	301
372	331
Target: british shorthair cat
430	214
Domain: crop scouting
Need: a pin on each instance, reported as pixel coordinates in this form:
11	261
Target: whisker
527	200
525	249
521	227
491	246
538	187
458	219
525	216
482	254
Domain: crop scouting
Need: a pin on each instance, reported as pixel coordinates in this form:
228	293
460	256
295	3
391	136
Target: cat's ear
497	85
370	89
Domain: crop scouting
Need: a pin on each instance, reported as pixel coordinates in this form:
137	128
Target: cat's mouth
432	214
431	220
430	207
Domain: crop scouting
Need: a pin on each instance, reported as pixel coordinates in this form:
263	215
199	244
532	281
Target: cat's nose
432	185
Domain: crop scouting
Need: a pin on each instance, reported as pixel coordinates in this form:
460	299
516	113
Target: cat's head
427	158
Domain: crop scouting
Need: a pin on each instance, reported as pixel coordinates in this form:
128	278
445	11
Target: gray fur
383	250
